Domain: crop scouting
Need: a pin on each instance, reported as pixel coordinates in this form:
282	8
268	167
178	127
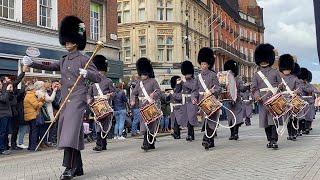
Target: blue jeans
136	120
22	131
42	130
164	123
4	130
120	117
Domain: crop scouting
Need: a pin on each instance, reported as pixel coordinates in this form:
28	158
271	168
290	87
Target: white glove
83	72
27	61
179	81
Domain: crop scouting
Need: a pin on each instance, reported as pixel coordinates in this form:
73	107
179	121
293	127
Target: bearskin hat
309	76
232	66
206	55
304	75
187	68
264	53
296	70
101	63
286	62
72	29
144	67
173	81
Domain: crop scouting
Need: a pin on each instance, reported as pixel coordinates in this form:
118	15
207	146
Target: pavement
245	159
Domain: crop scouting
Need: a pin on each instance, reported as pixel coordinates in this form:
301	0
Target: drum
150	113
298	104
101	109
278	105
228	85
209	105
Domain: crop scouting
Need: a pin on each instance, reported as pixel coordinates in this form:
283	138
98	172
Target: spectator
165	107
134	109
23	125
119	107
5	116
31	108
56	105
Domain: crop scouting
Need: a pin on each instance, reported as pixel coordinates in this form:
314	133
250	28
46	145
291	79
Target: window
250	35
255	36
119	10
142	46
126	12
251	55
127	49
142	10
164	8
45	13
7	9
94	21
165	48
241	32
246	53
261	38
121	50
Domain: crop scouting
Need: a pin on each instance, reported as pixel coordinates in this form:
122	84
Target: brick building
25	23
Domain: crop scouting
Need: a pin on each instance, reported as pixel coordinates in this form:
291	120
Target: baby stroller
127	124
87	132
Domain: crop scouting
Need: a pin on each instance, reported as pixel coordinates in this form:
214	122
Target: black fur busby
309	76
72	29
206	55
286	62
173	81
187	68
296	71
264	53
232	66
144	67
304	75
101	63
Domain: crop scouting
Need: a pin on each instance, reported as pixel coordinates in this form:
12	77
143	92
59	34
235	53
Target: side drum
209	105
278	105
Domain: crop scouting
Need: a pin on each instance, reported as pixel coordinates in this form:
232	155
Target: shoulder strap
265	80
204	86
145	92
99	89
287	87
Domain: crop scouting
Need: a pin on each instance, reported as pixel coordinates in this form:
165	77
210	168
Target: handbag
44	112
40	120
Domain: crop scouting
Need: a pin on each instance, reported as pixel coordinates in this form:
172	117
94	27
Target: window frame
12	9
95	35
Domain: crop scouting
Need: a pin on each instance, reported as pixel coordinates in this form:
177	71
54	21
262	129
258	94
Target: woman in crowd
119	107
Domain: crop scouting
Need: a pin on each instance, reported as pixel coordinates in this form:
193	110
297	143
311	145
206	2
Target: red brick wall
29	12
111	20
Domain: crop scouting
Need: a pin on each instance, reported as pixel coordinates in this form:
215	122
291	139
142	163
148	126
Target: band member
148	90
189	110
98	91
266	76
310	114
206	84
72	35
247	106
291	86
175	106
235	107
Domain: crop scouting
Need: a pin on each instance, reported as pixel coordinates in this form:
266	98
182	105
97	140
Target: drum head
232	86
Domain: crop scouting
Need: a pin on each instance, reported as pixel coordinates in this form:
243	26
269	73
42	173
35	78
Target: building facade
35	24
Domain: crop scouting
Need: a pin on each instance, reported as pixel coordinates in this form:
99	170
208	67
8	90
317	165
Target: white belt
184	96
246	100
172	105
100	97
267	89
307	97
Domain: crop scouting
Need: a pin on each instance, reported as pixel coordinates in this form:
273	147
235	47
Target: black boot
68	174
269	145
97	148
145	145
236	137
275	145
205	142
79	172
211	145
231	133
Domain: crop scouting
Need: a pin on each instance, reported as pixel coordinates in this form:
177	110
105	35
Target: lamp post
187	31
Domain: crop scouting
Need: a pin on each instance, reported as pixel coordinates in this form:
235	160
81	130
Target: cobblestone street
247	158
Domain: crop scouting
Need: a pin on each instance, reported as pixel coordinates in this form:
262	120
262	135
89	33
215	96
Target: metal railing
225	46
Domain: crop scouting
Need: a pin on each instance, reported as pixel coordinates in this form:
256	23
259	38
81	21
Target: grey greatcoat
176	107
236	107
211	80
106	87
189	110
70	128
150	85
308	95
247	104
273	76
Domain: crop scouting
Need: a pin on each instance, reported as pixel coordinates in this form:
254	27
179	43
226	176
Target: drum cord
150	134
102	130
278	124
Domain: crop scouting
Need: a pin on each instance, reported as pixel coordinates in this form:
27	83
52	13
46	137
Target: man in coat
72	35
247	106
106	88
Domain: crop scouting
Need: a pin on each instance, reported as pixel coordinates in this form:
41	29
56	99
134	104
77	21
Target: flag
316	4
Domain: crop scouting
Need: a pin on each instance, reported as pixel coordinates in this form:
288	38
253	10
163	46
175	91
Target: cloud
290	27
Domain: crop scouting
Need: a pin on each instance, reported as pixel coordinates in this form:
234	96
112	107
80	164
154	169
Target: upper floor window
142	46
142	10
119	10
7	9
164	10
95	21
123	10
45	13
125	51
165	48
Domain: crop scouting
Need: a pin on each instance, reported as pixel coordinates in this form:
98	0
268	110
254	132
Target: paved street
245	159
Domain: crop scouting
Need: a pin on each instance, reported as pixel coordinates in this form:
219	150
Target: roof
244	4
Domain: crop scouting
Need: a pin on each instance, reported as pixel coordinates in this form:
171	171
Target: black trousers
271	133
234	130
291	130
209	133
308	125
176	128
302	125
190	130
53	132
72	158
33	134
102	142
15	130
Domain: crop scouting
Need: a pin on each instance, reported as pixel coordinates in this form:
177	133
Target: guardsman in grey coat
151	86
311	100
206	61
175	106
235	107
247	106
70	129
264	58
291	87
106	87
189	110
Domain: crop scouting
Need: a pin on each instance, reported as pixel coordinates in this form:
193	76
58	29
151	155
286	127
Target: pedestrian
23	125
235	106
134	109
165	108
98	91
119	106
264	58
72	35
148	91
247	106
206	84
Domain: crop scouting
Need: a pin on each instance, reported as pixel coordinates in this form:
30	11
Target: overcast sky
290	27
